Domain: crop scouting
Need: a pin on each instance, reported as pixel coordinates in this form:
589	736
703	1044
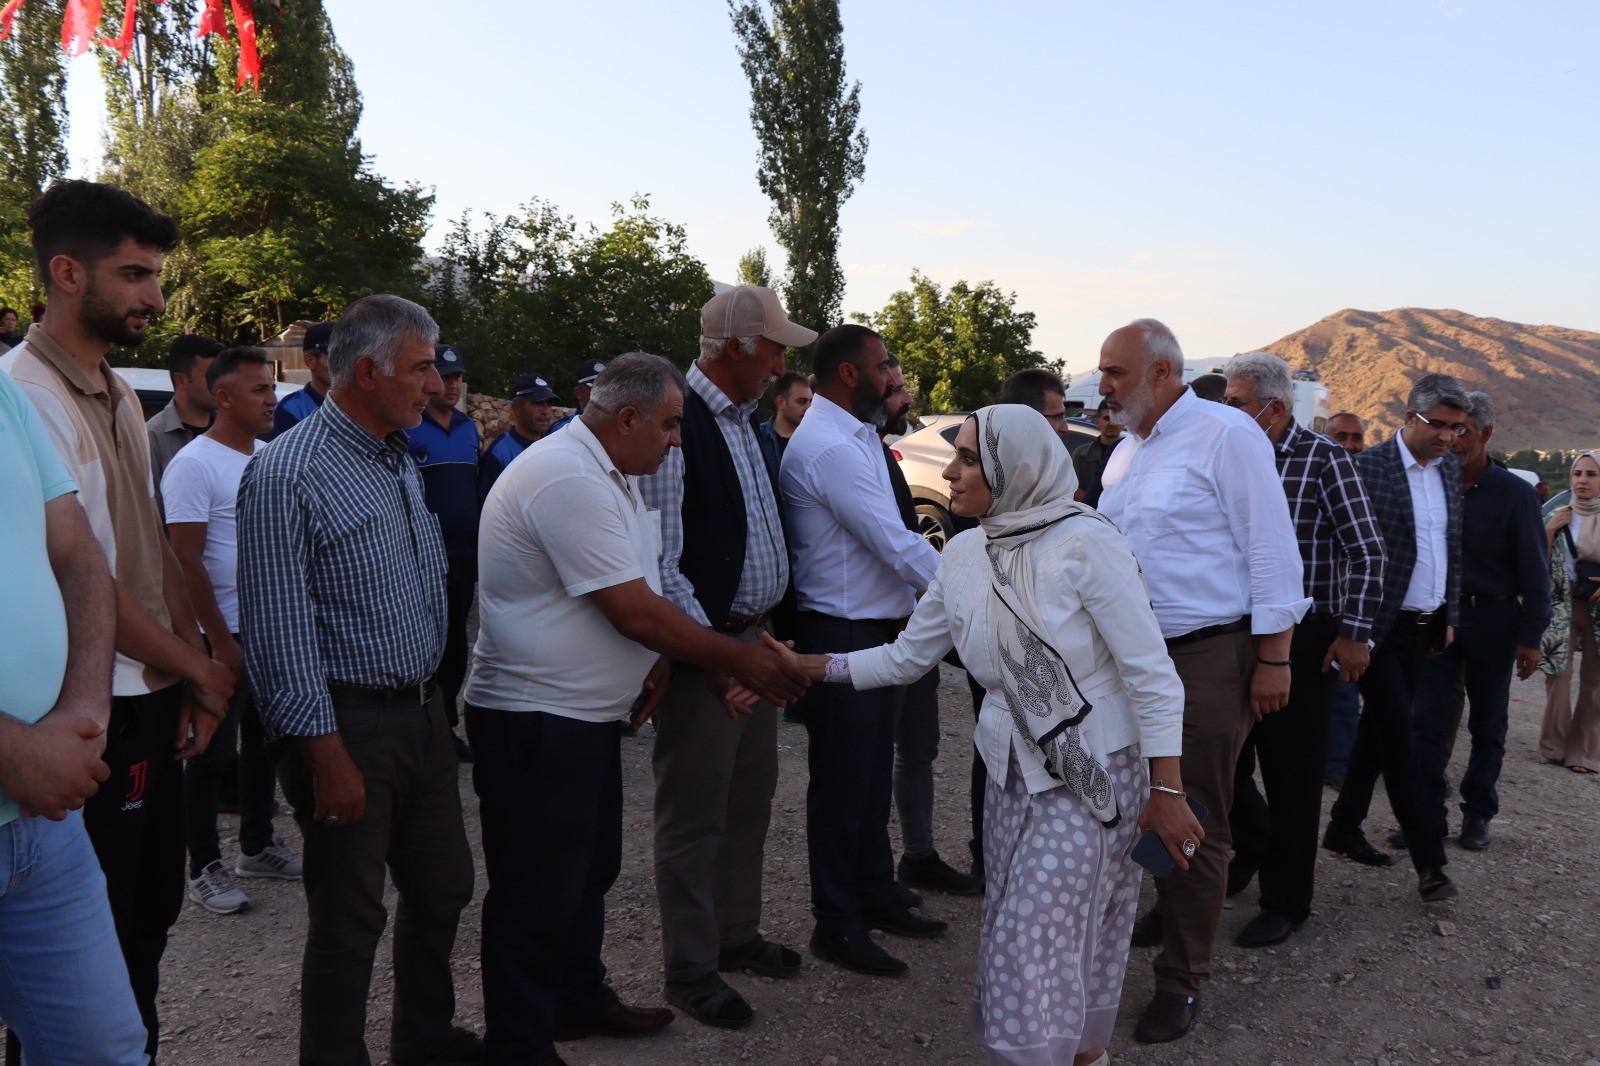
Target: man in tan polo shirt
99	251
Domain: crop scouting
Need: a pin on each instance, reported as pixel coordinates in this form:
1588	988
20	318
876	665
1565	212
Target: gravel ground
1501	974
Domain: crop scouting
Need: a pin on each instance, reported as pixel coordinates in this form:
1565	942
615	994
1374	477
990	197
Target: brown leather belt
405	696
738	623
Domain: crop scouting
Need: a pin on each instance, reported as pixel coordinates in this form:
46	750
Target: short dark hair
785	385
1211	386
188	349
232	359
841	344
88	219
1028	387
4	311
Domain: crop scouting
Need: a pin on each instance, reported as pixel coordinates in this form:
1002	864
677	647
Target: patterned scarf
1031	479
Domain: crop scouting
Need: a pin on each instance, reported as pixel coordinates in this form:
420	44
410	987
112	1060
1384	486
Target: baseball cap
588	370
748	311
317	337
531	387
447	360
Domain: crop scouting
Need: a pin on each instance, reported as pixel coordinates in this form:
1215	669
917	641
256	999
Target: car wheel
933	522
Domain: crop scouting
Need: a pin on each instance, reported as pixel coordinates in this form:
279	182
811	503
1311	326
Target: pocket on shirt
1158	496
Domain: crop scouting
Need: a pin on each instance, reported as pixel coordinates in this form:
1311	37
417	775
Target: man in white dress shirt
857	574
1196	491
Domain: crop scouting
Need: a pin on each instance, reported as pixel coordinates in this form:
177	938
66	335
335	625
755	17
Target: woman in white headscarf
1081	730
1572	738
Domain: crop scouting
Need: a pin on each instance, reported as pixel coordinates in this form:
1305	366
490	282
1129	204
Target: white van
1313	404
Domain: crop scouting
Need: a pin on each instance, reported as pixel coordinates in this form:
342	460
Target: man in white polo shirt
574	635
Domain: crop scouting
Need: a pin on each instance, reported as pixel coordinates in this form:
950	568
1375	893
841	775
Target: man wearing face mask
1343	554
857	574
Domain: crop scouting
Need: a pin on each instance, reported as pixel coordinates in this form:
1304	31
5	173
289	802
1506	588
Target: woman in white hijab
1048	610
1572	738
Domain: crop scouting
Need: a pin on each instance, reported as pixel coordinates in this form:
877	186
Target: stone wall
493	415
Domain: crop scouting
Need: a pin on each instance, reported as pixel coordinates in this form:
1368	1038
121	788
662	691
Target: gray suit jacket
1385	478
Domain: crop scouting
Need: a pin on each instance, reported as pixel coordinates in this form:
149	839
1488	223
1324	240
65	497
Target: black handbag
1583	588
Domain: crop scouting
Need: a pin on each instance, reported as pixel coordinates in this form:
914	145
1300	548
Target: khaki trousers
714	784
1568	736
1216	720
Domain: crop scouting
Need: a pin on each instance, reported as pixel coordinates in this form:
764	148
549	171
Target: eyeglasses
1455	429
1059	418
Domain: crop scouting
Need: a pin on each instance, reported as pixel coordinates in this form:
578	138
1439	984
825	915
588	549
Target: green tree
812	154
753	268
956	347
541	292
33	127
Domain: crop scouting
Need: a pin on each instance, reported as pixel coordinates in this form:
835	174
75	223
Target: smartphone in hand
1151	851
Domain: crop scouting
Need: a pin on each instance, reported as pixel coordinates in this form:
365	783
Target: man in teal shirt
63	994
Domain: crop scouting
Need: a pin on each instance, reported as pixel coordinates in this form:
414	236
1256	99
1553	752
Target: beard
898	422
1136	406
869	405
109	324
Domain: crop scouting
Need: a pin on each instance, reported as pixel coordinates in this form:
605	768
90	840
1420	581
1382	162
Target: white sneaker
274	860
215	891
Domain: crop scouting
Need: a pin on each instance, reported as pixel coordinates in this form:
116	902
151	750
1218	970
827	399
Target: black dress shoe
1168	1017
464	1046
900	921
619	1019
1474	833
1396	840
1266	929
1147	931
855	951
1240	873
933	873
906	897
1433	885
1353	844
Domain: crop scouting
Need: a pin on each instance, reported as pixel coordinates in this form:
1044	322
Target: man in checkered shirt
1344	557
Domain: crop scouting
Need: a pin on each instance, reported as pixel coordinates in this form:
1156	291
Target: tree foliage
957	346
33	129
540	292
812	154
754	269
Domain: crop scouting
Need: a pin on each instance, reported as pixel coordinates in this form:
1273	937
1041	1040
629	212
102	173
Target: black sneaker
936	875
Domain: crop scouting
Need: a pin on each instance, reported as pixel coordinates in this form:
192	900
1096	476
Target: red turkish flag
244	17
214	19
122	44
8	13
78	28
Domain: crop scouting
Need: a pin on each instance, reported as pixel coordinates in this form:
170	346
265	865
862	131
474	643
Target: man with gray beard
857	574
1195	490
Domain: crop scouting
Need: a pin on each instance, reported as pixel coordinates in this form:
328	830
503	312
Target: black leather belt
1419	618
405	696
1482	601
738	623
1207	632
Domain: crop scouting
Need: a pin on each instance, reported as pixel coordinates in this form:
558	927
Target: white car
154	387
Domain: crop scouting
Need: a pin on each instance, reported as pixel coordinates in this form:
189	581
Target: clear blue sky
1236	169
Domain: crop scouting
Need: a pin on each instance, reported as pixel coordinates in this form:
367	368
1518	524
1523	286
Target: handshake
769	670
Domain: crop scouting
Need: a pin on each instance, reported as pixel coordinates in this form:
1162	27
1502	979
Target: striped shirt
766	556
341	570
1340	542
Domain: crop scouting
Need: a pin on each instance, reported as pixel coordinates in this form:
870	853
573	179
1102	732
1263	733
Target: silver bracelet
1157	786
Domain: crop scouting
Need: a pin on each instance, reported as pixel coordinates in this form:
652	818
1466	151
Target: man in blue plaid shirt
1343	553
342	606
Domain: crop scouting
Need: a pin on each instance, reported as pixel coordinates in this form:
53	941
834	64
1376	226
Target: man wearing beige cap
714	776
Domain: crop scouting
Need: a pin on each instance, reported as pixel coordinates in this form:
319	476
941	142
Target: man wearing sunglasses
1414	482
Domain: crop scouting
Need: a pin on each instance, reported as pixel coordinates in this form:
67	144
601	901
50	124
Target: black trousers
238	741
413	829
136	825
1278	834
550	800
851	761
1384	741
461	579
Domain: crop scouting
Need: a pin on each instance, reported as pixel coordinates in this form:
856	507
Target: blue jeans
1342	726
63	985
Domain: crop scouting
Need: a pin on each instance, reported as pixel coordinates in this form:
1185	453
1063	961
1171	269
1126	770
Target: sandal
762	957
1577	769
710	1000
